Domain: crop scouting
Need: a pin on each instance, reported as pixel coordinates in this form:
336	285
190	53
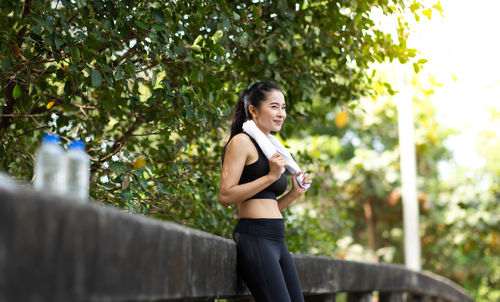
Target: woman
253	182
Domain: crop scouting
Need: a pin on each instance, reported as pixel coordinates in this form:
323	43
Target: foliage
466	215
462	229
149	85
356	169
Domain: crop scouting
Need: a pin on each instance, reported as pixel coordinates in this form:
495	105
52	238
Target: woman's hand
296	188
276	164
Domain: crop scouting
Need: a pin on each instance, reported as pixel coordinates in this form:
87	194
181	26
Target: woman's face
271	113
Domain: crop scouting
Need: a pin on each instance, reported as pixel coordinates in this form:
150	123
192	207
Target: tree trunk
371	226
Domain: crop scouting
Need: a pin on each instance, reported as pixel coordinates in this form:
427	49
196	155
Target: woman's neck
264	130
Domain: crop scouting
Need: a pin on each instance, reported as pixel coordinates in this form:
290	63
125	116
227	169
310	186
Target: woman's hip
273	228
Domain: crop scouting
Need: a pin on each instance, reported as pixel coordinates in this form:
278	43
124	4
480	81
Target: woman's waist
259	208
263	201
266	227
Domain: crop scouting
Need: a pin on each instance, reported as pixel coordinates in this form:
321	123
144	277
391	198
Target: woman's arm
295	192
287	199
230	192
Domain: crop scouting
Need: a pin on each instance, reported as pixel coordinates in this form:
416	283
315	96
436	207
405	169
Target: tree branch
119	144
9	108
26	10
159	132
31	130
23	115
129	52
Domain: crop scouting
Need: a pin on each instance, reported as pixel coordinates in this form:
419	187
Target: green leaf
48	41
81	3
155	77
117	168
196	48
427	13
59	74
5	65
244	40
144	183
179	50
163	189
157	16
159	27
256	11
68	88
416	67
51	69
58	42
140	24
37	29
272	58
438	7
92	42
150	116
389	88
118	73
96	78
197	40
127	196
16	93
217	36
260	23
75	53
415	6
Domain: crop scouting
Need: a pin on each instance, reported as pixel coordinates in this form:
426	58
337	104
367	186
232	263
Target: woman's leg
259	266
290	274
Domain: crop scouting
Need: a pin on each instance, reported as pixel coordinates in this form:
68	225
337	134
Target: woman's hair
252	95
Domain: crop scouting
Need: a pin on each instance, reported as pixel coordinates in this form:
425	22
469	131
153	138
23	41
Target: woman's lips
279	122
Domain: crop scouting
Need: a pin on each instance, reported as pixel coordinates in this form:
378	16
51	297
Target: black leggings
264	262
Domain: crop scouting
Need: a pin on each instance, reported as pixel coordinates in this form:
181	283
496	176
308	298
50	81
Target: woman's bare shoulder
240	138
240	144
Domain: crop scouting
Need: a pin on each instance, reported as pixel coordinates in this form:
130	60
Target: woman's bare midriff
259	208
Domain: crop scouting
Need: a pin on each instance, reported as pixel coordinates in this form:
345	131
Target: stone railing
60	250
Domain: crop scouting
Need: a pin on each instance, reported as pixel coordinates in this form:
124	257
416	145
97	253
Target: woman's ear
252	110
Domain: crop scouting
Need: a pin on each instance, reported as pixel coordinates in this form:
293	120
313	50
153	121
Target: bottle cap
51	138
77	144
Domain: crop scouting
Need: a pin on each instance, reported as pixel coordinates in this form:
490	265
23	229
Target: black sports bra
260	168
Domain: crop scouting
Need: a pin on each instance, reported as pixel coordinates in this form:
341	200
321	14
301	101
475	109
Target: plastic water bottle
77	171
50	166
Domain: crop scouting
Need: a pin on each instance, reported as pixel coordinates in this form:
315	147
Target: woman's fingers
306	178
279	158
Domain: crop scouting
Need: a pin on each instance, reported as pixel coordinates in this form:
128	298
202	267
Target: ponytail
252	95
240	114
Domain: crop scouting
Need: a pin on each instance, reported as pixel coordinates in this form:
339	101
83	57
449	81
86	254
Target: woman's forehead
275	96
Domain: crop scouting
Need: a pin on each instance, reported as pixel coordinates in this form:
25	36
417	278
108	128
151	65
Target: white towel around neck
270	145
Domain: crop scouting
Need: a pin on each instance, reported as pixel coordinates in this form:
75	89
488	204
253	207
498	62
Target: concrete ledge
53	249
322	275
